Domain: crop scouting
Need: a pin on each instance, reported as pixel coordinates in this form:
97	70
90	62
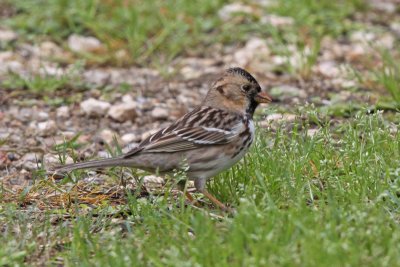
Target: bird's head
237	91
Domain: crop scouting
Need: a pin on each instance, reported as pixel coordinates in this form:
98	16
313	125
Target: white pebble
94	107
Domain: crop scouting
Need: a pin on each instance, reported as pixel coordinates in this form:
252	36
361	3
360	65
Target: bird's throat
251	108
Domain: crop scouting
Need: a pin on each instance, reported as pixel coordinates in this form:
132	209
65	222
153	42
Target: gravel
84	44
94	107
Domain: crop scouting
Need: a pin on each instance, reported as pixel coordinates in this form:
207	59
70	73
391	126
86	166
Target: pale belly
217	166
214	160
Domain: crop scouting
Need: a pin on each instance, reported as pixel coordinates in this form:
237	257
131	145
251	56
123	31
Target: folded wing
180	136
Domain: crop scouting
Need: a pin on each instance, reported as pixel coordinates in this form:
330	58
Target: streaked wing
201	127
190	138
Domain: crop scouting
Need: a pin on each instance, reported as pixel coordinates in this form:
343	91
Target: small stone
42	116
97	76
50	49
25	115
274	120
152	179
127	99
63	112
312	132
104	155
286	92
50	159
356	51
130	138
28	51
280	117
193	68
297	59
160	113
341	97
48	70
386	40
12	156
15	138
30	157
123	112
47	128
83	44
6	56
30	166
8	64
228	11
4	134
383	6
344	82
255	49
395	27
29	161
277	21
362	36
67	135
7	36
147	134
329	69
129	147
188	72
122	54
265	3
279	60
94	107
108	136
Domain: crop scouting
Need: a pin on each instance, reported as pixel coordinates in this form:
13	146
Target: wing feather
183	135
190	138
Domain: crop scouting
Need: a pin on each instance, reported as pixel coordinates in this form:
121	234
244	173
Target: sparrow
209	139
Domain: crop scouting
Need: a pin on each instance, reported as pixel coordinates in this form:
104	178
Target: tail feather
103	163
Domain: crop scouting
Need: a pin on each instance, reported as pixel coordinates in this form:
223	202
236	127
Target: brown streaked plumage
209	139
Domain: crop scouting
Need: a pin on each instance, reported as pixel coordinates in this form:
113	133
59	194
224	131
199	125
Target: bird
209	139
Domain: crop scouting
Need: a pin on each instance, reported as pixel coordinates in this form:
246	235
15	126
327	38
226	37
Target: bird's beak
262	97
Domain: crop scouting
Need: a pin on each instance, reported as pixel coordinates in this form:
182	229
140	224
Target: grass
63	88
54	89
313	21
331	199
383	77
142	29
319	18
156	32
45	84
389	76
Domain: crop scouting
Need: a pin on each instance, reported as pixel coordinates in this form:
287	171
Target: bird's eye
246	87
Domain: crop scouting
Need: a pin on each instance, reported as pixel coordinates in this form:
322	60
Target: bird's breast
211	161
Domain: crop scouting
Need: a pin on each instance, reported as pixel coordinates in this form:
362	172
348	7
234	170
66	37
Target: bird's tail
103	163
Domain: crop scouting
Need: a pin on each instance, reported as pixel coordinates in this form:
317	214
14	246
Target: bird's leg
214	200
190	198
182	187
200	185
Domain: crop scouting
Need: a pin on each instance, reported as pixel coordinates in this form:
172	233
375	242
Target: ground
86	79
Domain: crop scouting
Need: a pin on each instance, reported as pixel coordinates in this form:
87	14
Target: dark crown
242	73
